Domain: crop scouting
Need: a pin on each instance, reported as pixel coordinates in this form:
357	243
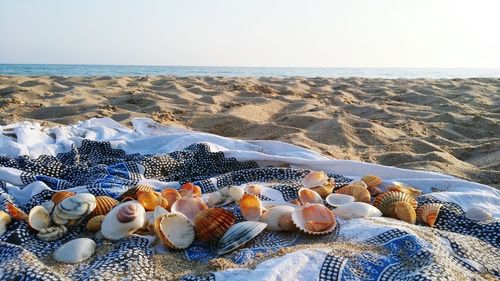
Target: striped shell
75	207
359	193
314	219
60	196
403	187
212	223
175	230
405	212
52	233
386	201
94	224
239	234
371	180
310	196
429	213
104	204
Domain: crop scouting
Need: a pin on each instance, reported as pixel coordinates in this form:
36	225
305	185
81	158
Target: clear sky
306	33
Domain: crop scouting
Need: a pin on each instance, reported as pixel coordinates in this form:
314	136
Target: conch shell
319	182
251	207
190	206
212	223
123	220
386	201
428	213
405	212
314	219
104	204
359	193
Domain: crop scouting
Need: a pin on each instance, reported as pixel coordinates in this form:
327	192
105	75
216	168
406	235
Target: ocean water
139	70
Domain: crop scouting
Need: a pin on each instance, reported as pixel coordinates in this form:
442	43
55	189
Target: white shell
338	199
236	193
219	198
112	229
271	204
52	233
314	179
48	205
239	234
273	216
39	218
74	208
4	222
75	251
478	214
176	229
254	189
357	210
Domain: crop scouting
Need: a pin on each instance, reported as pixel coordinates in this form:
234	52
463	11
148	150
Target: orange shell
314	219
60	196
94	224
307	195
16	213
189	188
359	193
371	180
150	200
405	212
374	191
404	188
212	223
104	204
428	213
143	187
171	195
251	207
385	202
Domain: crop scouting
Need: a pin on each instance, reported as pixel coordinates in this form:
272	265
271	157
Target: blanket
102	157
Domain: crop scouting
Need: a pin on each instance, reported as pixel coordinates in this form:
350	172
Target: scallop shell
171	195
39	218
251	207
188	189
175	230
239	234
307	195
4	222
478	214
405	212
123	220
385	202
61	195
236	193
428	213
374	191
254	189
279	218
104	204
52	233
403	187
319	182
359	193
314	219
371	180
359	183
75	251
16	213
357	210
150	200
212	223
190	206
94	224
337	199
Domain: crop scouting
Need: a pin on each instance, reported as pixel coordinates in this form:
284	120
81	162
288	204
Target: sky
263	33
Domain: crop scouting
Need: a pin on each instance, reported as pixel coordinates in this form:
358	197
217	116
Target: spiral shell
94	224
61	195
16	213
307	195
39	218
127	213
371	180
52	233
403	187
104	204
190	206
385	202
171	195
123	220
175	230
212	223
251	207
319	182
314	219
428	213
359	193
405	212
188	189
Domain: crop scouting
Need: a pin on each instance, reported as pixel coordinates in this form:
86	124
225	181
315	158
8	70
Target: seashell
236	193
371	180
39	218
73	208
296	202
359	183
171	195
123	220
48	205
150	200
357	210
314	219
219	198
405	212
270	204
307	195
61	195
251	207
428	213
239	234
279	218
16	213
403	187
319	182
4	222
359	193
52	233
385	202
75	251
144	188
189	188
104	204
478	214
94	224
190	206
374	191
212	223
338	199
175	230
254	189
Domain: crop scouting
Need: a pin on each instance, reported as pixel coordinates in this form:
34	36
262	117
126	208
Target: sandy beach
447	126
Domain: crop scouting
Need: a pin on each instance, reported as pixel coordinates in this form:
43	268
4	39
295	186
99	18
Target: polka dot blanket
102	157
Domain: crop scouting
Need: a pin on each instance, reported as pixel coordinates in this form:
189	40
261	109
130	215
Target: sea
144	70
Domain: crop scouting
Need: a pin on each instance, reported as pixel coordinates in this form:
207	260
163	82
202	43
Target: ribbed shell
359	193
171	195
405	212
314	219
239	234
212	223
60	196
385	202
104	204
16	213
94	224
251	207
428	213
371	180
405	188
150	200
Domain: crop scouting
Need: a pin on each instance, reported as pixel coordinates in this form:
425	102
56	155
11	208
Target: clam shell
190	189
61	195
251	207
39	218
171	195
307	195
405	212
403	187
75	251
212	223
104	204
359	183
175	230
279	218
239	234
190	206
337	199
371	180
94	224
236	193
4	222
385	202
319	182
254	189
16	213
478	214
428	213
314	219
73	208
357	210
150	200
359	193
52	233
123	220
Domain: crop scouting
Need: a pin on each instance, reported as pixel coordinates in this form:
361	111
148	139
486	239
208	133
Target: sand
448	126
